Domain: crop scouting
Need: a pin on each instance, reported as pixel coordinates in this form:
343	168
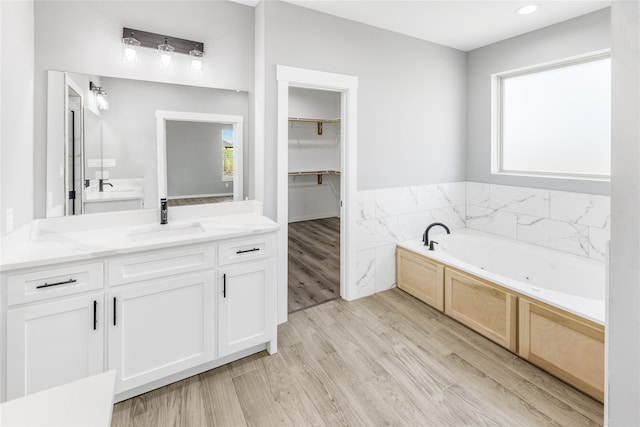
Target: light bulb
165	60
130	54
196	65
129	45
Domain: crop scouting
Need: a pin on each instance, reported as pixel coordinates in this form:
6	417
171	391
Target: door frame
348	87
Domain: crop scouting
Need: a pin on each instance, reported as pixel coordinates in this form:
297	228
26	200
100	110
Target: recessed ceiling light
525	10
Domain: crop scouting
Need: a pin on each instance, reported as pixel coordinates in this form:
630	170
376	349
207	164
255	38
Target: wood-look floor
199	200
387	359
314	262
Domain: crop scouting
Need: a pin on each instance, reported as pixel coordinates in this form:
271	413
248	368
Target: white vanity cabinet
160	328
244	319
246	294
155	312
54	326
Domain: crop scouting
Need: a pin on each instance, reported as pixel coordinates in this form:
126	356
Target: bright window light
556	120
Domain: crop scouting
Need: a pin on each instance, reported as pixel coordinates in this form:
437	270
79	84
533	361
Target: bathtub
568	282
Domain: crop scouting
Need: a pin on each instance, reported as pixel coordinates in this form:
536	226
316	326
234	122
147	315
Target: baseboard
314	216
195	196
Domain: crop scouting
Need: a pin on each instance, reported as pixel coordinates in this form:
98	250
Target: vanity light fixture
166	46
101	96
196	59
130	47
166	53
526	10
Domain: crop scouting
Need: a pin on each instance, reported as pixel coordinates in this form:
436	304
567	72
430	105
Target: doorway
74	147
347	87
314	197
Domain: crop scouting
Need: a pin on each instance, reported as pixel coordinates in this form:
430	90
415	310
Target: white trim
497	103
236	121
334	214
195	196
348	87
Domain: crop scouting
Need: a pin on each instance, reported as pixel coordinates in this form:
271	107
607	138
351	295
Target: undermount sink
164	231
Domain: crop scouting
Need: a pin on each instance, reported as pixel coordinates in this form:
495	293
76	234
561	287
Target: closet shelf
320	122
318	173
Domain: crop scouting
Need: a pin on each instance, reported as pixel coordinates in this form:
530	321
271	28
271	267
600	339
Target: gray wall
580	35
194	159
129	126
624	289
85	37
16	133
411	96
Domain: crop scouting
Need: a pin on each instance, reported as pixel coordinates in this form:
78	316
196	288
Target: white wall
584	34
411	96
85	37
624	289
16	111
194	159
309	151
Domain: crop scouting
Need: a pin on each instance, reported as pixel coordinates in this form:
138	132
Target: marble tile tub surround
577	223
390	215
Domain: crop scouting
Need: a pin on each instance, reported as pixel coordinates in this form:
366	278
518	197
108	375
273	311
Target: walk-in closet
314	197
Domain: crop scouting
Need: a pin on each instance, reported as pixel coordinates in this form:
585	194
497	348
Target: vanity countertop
54	240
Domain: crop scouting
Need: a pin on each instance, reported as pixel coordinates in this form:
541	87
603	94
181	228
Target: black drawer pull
114	312
248	250
95	317
224	285
47	285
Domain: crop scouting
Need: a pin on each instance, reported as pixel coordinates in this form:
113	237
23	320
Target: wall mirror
103	152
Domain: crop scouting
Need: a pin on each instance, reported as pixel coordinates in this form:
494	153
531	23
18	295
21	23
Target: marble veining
366	273
577	223
564	236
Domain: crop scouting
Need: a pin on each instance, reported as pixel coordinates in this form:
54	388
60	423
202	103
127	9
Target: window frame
497	103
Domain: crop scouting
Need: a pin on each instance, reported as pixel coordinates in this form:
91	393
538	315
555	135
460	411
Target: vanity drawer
246	249
54	282
164	263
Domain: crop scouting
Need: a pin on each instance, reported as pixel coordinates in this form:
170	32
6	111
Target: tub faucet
425	236
102	183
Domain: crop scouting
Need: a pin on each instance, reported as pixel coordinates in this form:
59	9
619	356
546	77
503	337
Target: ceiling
464	25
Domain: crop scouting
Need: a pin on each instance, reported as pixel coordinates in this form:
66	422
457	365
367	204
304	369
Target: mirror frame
162	116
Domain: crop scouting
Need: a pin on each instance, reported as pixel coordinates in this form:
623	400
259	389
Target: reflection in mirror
201	148
119	148
210	147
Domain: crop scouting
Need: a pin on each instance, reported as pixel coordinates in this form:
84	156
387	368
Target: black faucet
425	236
102	183
163	211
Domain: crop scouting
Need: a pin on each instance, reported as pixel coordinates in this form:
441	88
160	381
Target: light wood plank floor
199	200
386	359
314	262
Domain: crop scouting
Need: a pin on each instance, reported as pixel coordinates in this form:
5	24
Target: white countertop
85	237
86	402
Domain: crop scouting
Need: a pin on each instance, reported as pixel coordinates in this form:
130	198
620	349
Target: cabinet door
160	328
50	344
421	278
246	306
483	307
567	346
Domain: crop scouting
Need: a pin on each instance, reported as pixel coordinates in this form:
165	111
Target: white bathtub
569	282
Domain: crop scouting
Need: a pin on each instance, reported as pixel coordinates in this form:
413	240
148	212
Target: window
555	120
227	155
